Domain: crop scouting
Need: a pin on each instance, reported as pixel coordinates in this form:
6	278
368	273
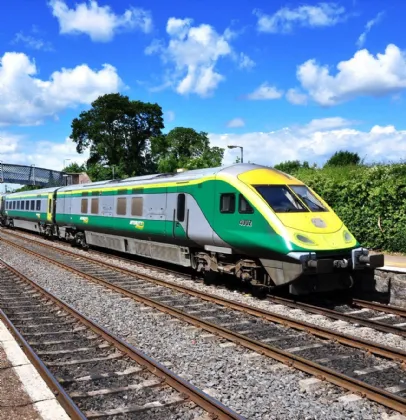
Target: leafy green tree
117	131
343	158
27	188
185	148
291	166
74	168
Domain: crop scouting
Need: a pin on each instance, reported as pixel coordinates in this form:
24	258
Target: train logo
138	224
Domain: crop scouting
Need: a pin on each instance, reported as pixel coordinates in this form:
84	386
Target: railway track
378	316
340	359
93	373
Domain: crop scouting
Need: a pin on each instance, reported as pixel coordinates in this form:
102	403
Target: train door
177	205
67	207
226	217
49	207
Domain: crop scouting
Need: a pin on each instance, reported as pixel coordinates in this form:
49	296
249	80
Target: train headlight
305	239
347	236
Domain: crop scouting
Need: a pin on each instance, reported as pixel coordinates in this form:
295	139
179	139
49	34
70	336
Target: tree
117	131
26	188
74	168
185	148
291	166
343	158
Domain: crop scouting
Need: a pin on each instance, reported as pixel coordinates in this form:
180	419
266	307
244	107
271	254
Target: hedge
371	200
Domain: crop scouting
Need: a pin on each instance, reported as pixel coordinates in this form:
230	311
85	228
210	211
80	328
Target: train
255	223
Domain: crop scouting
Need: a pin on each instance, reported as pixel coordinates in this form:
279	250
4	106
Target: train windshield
308	198
280	198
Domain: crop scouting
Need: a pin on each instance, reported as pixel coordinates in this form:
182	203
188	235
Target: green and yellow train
249	221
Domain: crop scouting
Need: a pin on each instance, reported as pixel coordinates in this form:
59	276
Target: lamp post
242	151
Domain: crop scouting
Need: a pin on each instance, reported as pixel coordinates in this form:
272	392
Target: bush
371	201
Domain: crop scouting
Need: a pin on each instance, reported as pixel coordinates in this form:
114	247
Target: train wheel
209	277
259	292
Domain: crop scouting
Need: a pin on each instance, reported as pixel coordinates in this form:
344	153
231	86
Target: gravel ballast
387	339
253	385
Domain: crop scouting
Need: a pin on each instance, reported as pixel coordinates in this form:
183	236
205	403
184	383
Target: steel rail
105	253
377	325
63	398
205	401
379	307
352	341
373	393
330	313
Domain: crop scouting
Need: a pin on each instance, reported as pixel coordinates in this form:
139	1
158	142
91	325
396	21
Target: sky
284	80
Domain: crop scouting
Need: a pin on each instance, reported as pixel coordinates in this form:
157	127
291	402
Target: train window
83	205
94	207
308	198
38	206
181	207
136	206
280	198
244	207
27	205
227	203
18	205
14	205
121	206
32	204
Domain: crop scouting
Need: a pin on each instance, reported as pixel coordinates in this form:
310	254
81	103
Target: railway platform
396	262
23	393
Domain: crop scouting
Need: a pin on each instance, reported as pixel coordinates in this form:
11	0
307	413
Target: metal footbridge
31	175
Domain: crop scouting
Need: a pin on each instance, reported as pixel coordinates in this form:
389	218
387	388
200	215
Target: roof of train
39	191
168	177
188	175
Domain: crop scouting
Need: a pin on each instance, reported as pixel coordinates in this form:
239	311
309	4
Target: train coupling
360	258
311	263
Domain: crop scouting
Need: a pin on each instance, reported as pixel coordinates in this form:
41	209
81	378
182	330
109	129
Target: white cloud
169	116
32	42
8	143
245	62
362	75
43	154
99	22
316	142
323	124
295	97
236	122
265	92
362	38
283	21
27	100
192	55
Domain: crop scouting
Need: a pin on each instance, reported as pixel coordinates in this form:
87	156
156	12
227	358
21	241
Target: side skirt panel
156	250
25	224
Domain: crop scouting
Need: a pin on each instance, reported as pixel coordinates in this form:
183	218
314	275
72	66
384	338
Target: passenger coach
253	222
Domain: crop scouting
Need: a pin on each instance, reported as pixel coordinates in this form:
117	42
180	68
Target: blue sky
286	80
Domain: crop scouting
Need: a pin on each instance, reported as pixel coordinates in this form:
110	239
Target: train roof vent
165	175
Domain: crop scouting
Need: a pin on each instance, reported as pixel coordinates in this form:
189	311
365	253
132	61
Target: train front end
320	252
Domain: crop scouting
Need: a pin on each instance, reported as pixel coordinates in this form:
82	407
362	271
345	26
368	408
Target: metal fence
31	175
